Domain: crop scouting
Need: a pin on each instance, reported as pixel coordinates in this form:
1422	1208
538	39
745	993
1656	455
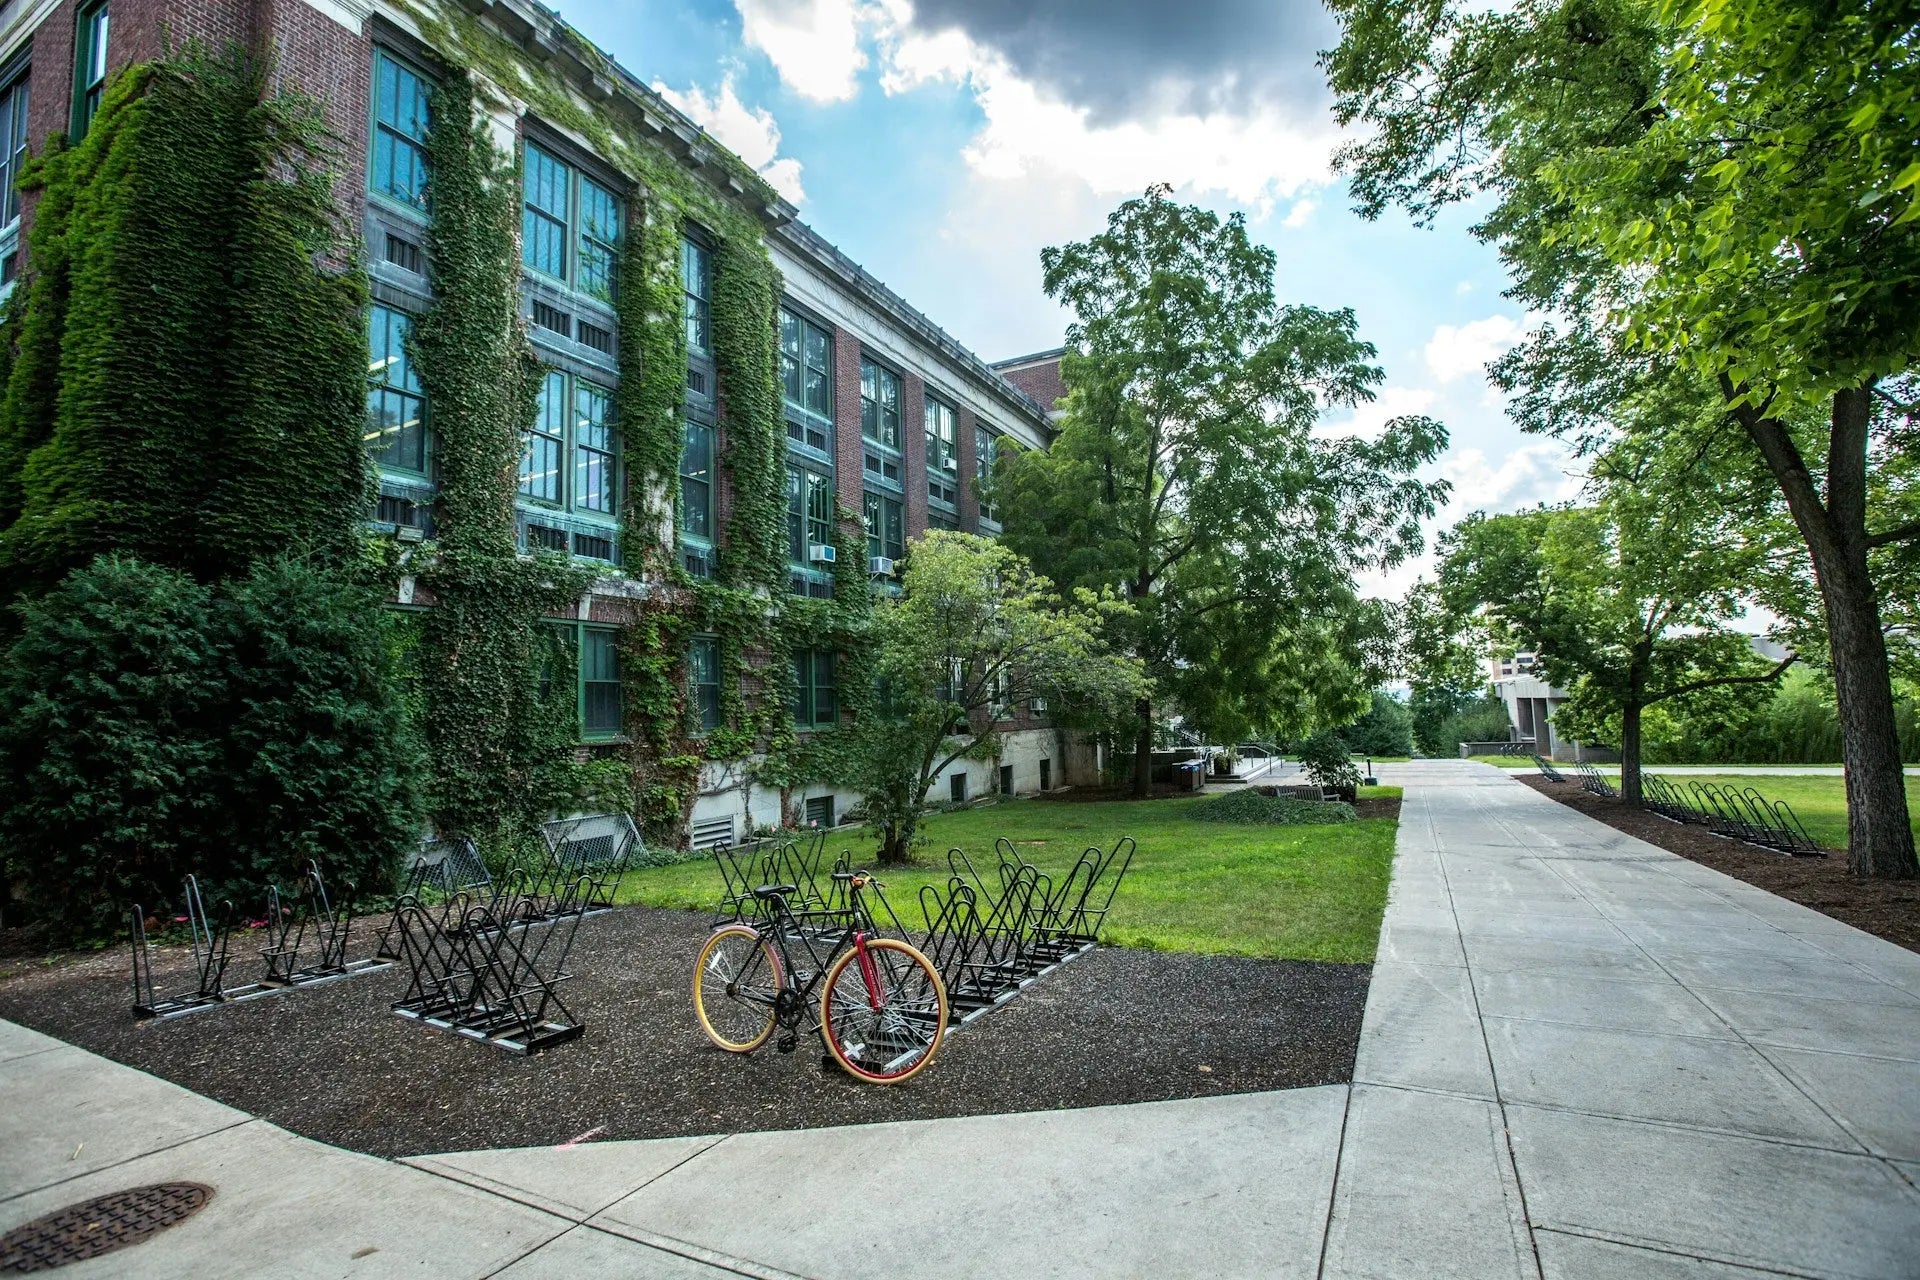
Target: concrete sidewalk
1583	1057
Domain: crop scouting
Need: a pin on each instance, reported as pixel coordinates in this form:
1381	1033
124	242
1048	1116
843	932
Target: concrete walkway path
1583	1057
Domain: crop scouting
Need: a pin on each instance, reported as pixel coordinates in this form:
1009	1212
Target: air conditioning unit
880	566
820	555
409	533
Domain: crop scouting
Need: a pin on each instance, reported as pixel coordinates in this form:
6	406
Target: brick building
885	412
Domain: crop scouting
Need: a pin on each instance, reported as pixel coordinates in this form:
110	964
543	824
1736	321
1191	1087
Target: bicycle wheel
734	984
883	1023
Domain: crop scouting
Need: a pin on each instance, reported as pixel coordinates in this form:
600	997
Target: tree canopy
1187	475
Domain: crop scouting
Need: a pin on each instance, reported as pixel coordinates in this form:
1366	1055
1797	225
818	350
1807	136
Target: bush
1251	808
1483	720
151	726
1386	729
1324	759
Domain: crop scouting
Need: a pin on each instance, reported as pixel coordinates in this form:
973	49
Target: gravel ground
1888	909
333	1063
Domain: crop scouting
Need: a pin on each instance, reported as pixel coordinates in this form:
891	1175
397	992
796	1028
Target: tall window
593	464
986	452
816	703
89	65
943	453
696	480
879	405
396	401
696	283
569	224
806	380
809	514
13	154
886	527
599	682
399	168
703	675
540	468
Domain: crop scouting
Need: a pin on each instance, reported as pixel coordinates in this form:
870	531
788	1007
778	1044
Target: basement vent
592	547
592	335
552	319
540	535
405	254
889	468
713	832
402	513
696	382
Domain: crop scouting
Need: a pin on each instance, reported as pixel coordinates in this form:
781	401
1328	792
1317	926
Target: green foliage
976	631
1248	807
152	726
1187	474
1325	760
1481	719
188	383
1386	729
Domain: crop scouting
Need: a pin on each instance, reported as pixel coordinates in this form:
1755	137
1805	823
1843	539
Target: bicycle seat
766	891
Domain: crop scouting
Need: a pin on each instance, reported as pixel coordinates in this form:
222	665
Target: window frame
801	418
538	155
696	698
92	41
15	135
696	303
895	551
942	477
875	445
807	688
587	733
420	210
383	388
986	456
686	536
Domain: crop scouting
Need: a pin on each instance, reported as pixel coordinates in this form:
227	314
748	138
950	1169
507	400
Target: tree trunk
1630	713
1143	750
895	841
1879	839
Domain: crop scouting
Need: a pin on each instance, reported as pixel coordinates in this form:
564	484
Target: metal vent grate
592	335
101	1225
405	254
553	319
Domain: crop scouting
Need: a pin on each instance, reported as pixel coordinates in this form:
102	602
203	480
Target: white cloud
1298	215
750	133
814	44
820	46
1370	420
1543	471
1456	351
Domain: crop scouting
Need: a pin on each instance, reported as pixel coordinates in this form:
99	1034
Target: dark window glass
599	239
396	434
696	480
815	700
89	66
806	374
599	683
886	527
13	147
703	673
593	465
399	169
986	451
879	405
696	283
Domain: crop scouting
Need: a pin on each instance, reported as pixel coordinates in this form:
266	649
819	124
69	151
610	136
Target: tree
1187	477
1730	187
1386	729
1627	603
975	632
1443	657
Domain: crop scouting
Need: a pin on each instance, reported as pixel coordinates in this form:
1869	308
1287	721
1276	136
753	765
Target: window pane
593	466
600	682
599	235
802	693
543	227
695	282
819	510
540	464
399	135
826	706
703	673
696	480
396	433
796	516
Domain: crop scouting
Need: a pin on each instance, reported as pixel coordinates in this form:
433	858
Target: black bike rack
211	938
598	847
439	868
1547	770
1595	783
490	968
1736	813
307	940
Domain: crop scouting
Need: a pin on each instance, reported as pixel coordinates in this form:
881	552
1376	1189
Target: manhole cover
101	1225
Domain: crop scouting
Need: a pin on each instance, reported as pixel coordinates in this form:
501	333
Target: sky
943	143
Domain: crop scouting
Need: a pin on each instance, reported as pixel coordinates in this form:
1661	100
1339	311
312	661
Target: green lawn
1819	802
1505	762
1304	893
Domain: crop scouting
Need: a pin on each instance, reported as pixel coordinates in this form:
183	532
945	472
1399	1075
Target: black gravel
333	1063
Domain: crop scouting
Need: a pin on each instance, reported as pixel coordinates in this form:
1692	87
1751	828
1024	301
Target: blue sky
943	143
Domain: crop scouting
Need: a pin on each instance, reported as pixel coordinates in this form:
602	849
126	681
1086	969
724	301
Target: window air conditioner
880	566
820	555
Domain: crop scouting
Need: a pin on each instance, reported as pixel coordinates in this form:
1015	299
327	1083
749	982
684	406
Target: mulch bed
1886	909
333	1063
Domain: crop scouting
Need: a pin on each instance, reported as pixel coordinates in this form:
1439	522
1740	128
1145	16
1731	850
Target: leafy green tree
1186	474
1725	187
1628	603
1443	657
1386	729
975	633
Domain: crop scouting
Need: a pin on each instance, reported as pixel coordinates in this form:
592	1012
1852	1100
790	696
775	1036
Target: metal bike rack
312	913
600	847
442	867
1547	770
1736	813
1593	782
490	969
210	942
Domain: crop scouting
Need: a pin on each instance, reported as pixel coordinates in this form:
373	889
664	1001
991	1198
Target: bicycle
881	1013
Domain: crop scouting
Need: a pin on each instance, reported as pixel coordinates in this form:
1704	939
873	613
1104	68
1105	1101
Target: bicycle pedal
787	1044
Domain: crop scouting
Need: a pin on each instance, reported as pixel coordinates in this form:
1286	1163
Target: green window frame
696	287
809	514
600	692
943	453
13	147
397	434
703	681
398	168
816	699
806	380
886	527
880	405
986	453
569	224
696	482
572	431
89	64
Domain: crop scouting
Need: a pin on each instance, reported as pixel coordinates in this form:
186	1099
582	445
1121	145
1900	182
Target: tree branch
1717	681
1891	536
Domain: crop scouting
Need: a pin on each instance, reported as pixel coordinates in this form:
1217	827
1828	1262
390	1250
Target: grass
1299	893
1820	802
1505	762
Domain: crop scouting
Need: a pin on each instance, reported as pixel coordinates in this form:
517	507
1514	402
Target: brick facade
913	451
